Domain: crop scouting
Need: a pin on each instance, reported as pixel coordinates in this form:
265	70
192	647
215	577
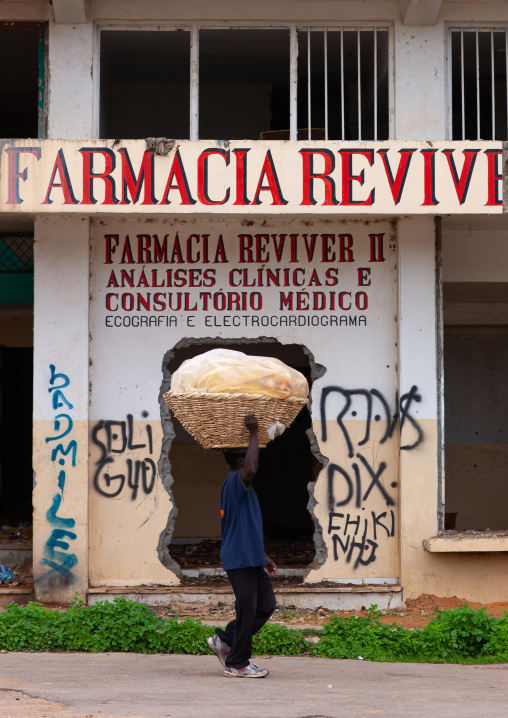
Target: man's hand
251	423
270	565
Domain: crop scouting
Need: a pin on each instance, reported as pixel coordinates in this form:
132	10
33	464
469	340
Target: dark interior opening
16	401
243	83
19	81
476	405
286	466
145	84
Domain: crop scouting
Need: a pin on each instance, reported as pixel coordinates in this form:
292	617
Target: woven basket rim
227	395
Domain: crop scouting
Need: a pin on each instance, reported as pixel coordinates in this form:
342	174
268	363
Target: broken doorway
286	466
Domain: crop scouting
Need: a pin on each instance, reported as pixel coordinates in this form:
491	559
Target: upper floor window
479	98
22	63
251	84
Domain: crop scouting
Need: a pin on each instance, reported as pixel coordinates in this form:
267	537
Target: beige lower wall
359	515
60	517
125	528
124	531
479	577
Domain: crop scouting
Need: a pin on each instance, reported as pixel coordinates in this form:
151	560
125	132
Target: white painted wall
70	104
420	83
418	365
61	251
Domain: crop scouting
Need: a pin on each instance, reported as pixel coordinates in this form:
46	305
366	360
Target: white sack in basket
226	371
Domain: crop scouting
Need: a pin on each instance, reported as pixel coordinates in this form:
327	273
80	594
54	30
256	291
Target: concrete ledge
463	543
203	572
340	598
13	594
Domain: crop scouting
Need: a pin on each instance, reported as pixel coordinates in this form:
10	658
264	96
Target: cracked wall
196	475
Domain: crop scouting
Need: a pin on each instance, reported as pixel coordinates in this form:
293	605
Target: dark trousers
254	604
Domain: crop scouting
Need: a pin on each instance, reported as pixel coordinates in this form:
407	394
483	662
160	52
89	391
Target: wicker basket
217	421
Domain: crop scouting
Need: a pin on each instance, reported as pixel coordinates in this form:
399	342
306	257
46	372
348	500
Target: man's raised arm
251	459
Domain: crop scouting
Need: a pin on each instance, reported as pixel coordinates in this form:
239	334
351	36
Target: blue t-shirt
241	525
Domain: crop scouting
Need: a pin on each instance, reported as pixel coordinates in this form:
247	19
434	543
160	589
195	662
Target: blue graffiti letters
57	425
60	562
54	377
52	517
71	446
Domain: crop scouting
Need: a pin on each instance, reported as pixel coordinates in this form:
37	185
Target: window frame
194	27
467	27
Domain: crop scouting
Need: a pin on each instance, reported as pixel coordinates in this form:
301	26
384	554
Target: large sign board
260	178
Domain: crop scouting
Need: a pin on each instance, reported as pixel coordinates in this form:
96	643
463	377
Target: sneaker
250	671
220	648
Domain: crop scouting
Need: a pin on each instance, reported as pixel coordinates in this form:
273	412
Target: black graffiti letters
117	438
405	415
377	409
375	476
360	480
355	488
356	536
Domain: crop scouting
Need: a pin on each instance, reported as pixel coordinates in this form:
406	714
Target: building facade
321	182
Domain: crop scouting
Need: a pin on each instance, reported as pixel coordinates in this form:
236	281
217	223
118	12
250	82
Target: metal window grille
16	253
344	76
479	70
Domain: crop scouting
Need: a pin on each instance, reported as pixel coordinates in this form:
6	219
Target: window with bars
277	83
343	83
16	253
479	70
16	269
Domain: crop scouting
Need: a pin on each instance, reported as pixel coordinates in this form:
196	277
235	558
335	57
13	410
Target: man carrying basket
243	557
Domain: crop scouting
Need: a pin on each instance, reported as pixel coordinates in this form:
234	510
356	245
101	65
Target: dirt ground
416	614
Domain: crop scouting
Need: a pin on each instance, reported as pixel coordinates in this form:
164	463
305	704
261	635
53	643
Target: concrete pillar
420	83
70	108
418	349
60	428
